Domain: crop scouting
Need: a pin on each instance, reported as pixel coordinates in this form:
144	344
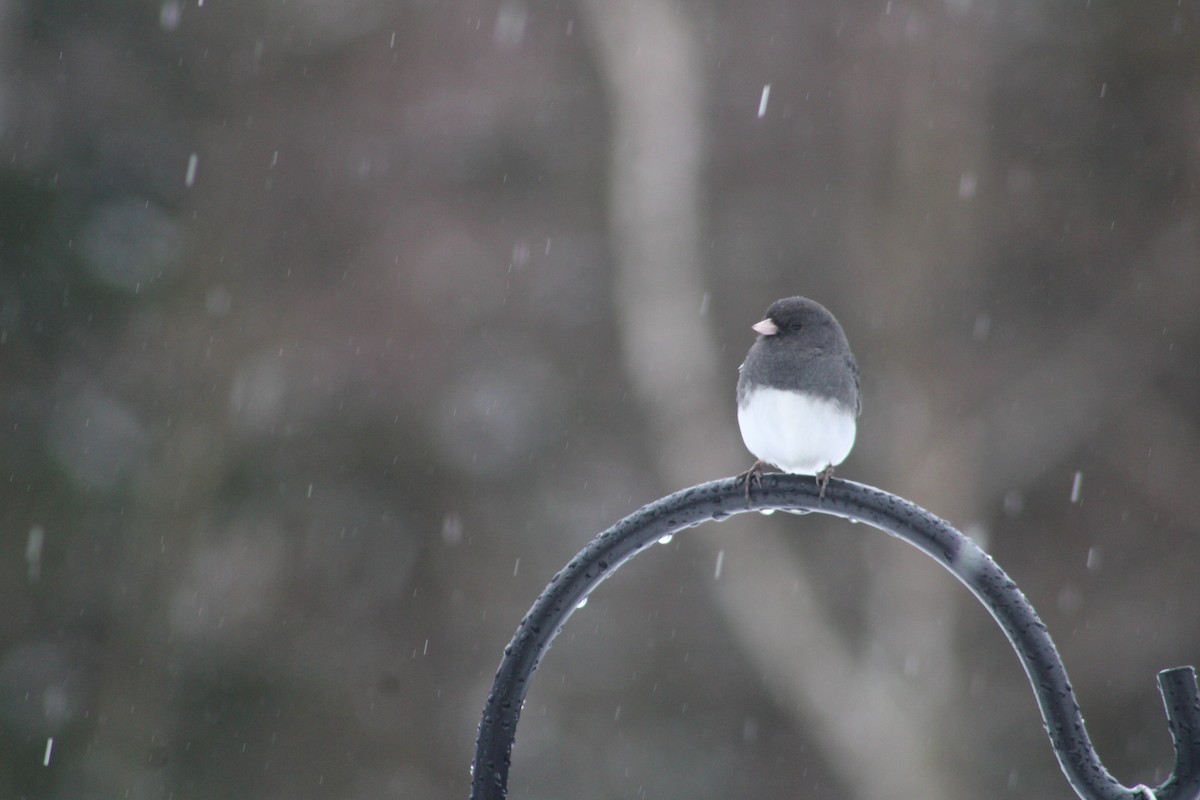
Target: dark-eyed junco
797	392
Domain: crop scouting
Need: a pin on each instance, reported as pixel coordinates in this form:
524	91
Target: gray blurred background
330	330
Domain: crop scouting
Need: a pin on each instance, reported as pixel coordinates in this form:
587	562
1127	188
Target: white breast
796	431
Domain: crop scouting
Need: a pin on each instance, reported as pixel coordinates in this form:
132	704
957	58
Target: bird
798	397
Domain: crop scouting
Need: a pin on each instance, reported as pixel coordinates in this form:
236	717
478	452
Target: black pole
971	565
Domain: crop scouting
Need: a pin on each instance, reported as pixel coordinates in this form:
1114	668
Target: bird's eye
794	326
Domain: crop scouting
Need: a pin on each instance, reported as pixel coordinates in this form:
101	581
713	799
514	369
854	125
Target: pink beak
766	328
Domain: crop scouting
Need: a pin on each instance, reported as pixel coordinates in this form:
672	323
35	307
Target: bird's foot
823	480
752	475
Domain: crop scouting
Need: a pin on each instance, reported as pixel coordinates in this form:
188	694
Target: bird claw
754	474
822	478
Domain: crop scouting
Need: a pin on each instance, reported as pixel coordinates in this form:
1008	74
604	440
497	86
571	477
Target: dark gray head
806	325
801	346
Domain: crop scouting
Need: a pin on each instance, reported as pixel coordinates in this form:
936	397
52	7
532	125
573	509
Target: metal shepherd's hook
971	565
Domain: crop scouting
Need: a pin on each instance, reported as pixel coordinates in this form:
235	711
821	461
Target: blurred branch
963	558
1047	410
1052	407
1170	440
650	62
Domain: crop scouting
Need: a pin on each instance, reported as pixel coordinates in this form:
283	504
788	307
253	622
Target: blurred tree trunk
856	709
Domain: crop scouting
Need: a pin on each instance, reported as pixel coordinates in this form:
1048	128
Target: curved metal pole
971	565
